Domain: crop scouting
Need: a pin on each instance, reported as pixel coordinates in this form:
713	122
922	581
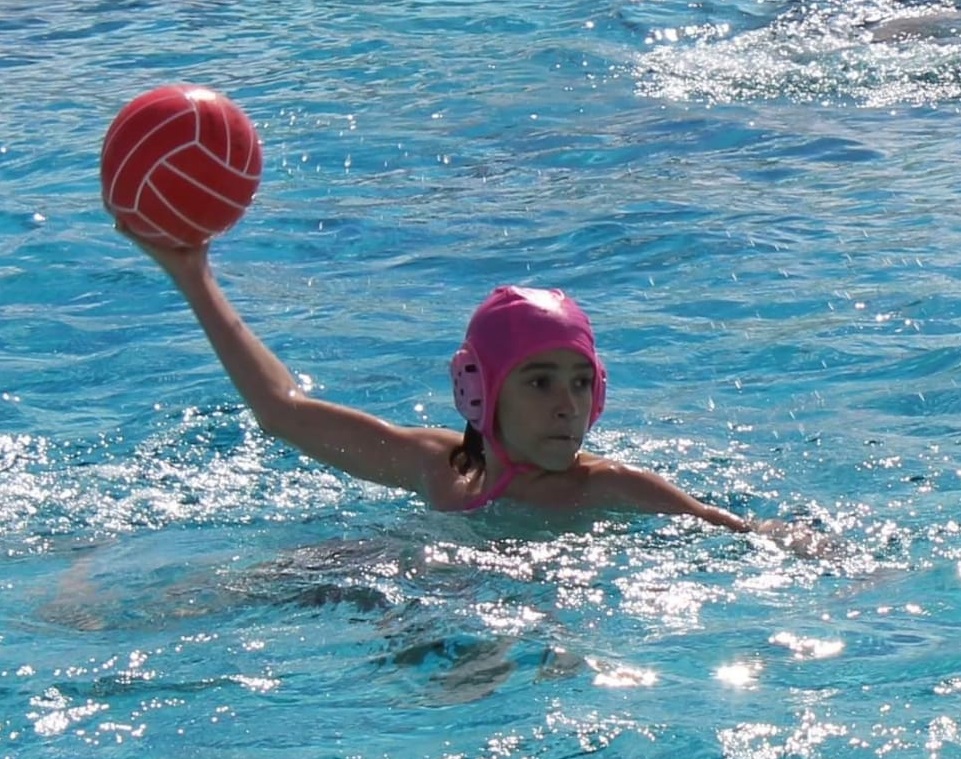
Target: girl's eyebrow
540	366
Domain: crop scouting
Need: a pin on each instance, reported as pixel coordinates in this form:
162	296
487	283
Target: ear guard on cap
599	390
468	382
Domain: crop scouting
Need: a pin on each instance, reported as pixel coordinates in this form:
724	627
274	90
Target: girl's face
544	409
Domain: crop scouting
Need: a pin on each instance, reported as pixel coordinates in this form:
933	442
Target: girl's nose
565	404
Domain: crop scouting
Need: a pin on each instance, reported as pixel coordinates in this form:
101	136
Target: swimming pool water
755	203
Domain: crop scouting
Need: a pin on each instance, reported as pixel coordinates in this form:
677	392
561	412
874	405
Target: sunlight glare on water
832	53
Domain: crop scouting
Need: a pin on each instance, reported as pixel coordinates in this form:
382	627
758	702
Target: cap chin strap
511	470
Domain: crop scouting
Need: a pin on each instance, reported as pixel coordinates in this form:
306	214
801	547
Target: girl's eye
584	383
540	382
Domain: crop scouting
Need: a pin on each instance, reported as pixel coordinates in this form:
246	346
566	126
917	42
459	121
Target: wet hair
469	455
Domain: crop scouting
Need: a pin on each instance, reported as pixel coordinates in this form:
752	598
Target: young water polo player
527	378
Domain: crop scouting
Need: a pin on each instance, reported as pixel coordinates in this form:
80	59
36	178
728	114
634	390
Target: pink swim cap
512	324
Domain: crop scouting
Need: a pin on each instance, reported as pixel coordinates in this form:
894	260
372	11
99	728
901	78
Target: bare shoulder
606	478
433	438
428	451
593	481
370	448
431	448
609	482
442	485
614	483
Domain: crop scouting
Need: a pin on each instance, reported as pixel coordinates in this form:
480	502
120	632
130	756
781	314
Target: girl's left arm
617	484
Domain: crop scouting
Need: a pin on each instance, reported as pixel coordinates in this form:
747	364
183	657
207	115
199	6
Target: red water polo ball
179	165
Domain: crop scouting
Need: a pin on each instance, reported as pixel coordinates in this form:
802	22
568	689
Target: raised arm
356	442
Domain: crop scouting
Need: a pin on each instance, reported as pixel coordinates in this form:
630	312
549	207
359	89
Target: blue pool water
758	206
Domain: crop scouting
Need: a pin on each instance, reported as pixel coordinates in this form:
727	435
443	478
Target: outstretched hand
800	539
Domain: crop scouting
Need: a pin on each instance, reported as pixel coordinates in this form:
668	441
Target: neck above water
509	470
